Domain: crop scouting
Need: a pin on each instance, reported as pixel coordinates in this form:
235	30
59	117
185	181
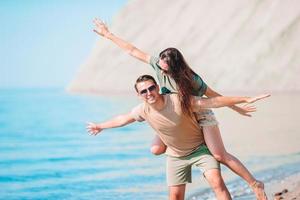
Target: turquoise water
45	152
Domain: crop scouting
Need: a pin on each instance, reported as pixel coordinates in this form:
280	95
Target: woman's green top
168	85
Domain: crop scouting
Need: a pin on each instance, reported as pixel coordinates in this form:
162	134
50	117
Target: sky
43	43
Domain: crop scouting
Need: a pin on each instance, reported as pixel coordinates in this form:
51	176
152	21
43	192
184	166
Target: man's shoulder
139	107
138	112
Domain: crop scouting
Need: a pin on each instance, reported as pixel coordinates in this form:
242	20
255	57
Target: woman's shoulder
197	78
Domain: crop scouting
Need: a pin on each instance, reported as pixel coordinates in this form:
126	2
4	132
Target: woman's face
163	64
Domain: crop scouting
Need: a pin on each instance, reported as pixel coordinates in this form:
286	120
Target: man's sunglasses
150	89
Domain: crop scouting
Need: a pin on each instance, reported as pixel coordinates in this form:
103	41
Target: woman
174	75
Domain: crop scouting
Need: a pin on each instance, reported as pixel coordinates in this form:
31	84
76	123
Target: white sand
288	188
272	131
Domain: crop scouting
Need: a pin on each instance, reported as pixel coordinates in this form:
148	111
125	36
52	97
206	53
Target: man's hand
101	28
93	128
254	99
244	110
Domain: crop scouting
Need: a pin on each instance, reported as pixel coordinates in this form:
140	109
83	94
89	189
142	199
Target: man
180	132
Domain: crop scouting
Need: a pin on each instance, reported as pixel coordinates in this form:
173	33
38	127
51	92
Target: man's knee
176	196
177	192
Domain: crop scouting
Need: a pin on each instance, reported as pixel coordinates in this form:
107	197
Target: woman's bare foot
259	190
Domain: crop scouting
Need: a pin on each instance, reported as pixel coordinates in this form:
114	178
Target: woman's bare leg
215	144
214	178
157	146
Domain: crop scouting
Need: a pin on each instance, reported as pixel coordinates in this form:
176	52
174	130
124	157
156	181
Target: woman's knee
157	149
222	157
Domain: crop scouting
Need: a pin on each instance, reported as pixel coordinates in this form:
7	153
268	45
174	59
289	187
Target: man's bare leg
177	192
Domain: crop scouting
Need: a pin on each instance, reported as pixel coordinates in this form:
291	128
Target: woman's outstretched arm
102	30
243	110
222	101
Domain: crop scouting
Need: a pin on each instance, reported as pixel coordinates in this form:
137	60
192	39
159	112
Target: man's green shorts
179	169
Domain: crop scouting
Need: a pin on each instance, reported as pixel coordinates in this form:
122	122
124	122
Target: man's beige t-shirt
179	132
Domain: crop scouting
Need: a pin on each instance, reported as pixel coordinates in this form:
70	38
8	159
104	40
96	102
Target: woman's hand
244	110
93	128
101	28
257	98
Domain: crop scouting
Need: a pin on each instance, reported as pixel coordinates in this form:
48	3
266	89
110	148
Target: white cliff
235	45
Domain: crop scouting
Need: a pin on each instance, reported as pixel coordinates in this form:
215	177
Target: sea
46	152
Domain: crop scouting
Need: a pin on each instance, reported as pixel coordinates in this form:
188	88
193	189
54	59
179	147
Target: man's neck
159	104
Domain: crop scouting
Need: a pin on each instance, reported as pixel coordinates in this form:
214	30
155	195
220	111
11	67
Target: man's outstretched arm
118	121
102	30
222	101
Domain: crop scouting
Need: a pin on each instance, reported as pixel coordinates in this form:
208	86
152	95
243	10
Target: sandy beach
288	188
271	132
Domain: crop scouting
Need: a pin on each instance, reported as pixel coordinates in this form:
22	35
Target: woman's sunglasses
150	89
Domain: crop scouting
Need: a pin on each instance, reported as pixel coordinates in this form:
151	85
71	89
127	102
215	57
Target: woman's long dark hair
182	74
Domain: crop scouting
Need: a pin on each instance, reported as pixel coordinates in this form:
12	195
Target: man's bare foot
259	190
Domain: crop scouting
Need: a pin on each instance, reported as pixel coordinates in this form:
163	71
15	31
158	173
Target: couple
176	78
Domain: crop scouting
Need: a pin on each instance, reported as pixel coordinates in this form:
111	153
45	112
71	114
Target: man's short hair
142	79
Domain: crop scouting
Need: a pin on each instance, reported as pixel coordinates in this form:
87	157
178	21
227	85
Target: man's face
148	91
